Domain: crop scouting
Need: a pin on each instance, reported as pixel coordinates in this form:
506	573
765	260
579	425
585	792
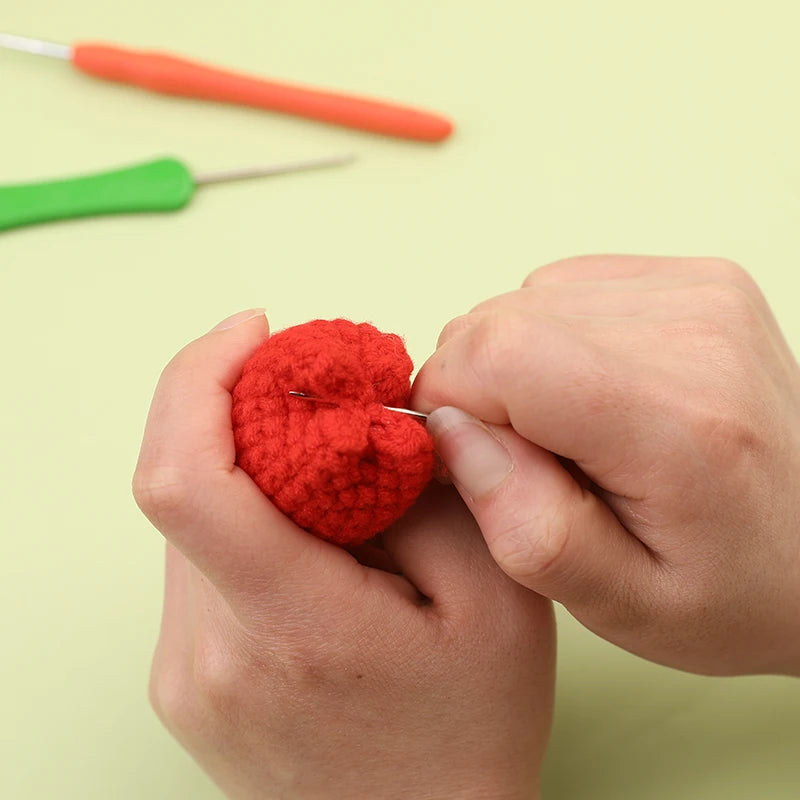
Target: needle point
407	411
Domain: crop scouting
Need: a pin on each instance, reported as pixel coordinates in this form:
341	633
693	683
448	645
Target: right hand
643	465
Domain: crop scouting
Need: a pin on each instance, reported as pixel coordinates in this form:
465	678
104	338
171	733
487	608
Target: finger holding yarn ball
345	467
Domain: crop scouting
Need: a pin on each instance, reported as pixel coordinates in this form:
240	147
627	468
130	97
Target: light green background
668	127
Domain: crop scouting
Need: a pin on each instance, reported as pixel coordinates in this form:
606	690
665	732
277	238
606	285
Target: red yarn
344	469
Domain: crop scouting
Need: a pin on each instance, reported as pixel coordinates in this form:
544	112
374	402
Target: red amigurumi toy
343	467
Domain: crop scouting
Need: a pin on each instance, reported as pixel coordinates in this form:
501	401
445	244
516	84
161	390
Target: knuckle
531	278
736	278
181	371
735	302
456	326
533	551
724	269
180	363
564	267
551	554
219	675
724	312
545	274
172	374
163	493
172	699
494	349
497	303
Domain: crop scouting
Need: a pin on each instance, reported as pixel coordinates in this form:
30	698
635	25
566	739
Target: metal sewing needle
407	411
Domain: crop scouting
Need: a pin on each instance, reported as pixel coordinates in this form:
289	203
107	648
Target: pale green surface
613	126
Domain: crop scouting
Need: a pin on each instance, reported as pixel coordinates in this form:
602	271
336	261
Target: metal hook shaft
38	47
273	169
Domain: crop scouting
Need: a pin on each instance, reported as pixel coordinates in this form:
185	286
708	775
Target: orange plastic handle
167	74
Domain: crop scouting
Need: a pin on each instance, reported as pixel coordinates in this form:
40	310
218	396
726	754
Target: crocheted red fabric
346	468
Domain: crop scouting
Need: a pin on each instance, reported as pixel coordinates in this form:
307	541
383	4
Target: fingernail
475	458
238	319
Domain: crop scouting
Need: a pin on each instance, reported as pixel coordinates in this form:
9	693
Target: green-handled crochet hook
164	184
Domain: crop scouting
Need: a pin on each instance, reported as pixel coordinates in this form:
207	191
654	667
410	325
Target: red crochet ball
345	468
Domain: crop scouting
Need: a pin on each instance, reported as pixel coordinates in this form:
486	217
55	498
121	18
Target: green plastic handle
161	185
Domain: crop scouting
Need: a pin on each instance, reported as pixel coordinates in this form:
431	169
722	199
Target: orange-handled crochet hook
168	74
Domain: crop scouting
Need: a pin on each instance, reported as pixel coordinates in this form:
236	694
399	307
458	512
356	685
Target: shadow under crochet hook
407	411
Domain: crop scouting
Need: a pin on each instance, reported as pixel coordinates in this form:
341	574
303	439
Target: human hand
288	668
668	521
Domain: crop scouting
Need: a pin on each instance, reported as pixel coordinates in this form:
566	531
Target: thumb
543	529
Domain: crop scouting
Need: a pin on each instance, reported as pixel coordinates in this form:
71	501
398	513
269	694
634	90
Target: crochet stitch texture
346	468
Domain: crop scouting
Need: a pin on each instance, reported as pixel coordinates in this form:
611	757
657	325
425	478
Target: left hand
289	669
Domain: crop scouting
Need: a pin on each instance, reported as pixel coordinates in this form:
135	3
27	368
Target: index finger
556	385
